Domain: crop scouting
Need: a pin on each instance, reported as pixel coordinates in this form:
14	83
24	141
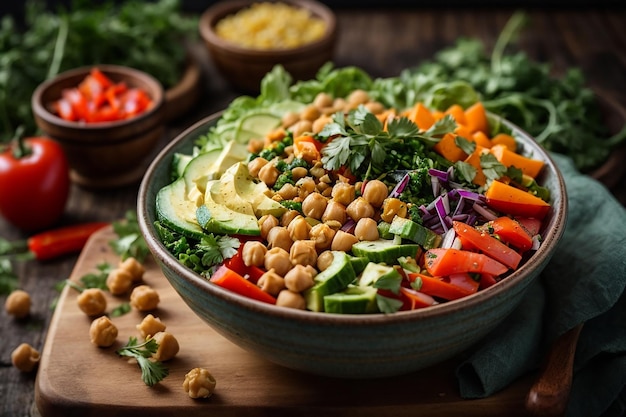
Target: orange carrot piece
529	166
447	148
474	160
421	116
481	139
514	201
506	140
476	118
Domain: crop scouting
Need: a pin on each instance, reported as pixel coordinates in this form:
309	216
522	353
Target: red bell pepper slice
512	232
442	262
439	287
229	279
487	244
237	264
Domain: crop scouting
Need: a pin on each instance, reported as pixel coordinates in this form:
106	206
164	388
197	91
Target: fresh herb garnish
97	279
8	278
130	242
152	371
121	309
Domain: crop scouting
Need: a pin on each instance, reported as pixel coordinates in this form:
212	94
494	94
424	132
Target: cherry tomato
34	183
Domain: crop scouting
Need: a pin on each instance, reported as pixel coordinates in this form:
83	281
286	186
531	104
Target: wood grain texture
383	42
78	378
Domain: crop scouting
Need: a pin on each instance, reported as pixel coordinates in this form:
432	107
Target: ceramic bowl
106	154
348	346
244	68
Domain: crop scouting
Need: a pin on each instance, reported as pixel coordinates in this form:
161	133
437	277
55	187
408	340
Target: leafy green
8	278
145	35
152	371
129	242
97	279
120	310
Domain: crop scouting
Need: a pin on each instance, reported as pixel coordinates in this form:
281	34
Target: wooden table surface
383	42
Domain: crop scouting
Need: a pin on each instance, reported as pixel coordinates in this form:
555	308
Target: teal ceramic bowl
348	346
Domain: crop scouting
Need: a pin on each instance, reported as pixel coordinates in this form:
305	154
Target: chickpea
322	100
266	223
168	346
288	217
375	107
92	302
320	123
255	145
300	278
150	326
366	229
271	282
278	260
310	113
253	253
300	128
322	235
102	332
255	166
324	260
144	298
299	229
358	97
334	211
119	281
393	207
278	237
306	186
359	208
288	191
303	253
343	193
17	304
291	299
333	224
375	192
25	357
298	173
199	383
289	119
133	267
317	170
268	174
343	241
340	104
314	205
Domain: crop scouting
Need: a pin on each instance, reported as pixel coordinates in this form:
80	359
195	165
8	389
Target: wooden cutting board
75	378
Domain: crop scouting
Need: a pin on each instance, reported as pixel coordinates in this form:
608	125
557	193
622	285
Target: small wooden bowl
107	154
244	68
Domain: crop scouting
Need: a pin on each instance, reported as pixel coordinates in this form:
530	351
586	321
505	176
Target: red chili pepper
54	243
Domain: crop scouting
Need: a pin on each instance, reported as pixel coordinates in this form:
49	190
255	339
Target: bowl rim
40	109
224	8
541	256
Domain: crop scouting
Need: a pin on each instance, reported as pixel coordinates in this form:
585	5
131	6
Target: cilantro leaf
388	305
152	371
492	168
130	242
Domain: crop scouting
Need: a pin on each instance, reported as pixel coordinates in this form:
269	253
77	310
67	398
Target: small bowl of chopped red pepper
107	118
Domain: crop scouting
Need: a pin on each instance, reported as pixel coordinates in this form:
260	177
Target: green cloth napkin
583	283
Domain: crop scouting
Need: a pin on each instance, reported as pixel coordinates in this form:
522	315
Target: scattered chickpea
92	302
253	253
199	383
119	281
303	252
277	259
324	260
299	229
300	278
375	192
150	326
17	304
278	237
268	174
343	241
322	235
133	267
25	357
287	298
271	282
366	229
102	332
168	346
144	298
359	209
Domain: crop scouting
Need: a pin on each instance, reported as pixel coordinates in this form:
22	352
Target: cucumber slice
352	300
335	278
256	125
358	263
383	230
179	163
408	229
175	211
385	251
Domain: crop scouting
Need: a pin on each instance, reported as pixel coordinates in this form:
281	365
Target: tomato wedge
440	287
487	244
512	232
442	262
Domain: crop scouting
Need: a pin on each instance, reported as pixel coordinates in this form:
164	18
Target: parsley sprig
152	371
360	142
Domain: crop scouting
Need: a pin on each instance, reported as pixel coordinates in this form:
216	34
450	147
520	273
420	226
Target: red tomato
34	183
